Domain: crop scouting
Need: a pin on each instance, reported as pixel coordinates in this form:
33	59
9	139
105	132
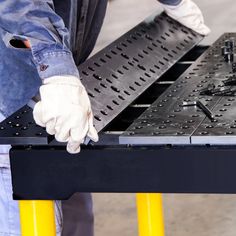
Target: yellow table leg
150	214
37	218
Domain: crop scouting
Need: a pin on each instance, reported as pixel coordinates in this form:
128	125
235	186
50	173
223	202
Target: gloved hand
188	14
65	111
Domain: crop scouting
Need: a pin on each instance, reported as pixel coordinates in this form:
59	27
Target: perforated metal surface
20	128
168	122
117	75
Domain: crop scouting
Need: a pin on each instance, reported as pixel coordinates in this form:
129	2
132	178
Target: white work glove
65	111
188	14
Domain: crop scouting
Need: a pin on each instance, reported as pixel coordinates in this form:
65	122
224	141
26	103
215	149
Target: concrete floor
195	215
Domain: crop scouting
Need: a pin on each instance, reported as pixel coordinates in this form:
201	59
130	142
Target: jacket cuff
170	2
55	63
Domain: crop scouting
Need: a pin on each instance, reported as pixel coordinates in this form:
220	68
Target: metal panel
167	121
118	74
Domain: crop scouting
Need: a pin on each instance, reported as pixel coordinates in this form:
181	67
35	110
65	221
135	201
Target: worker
42	42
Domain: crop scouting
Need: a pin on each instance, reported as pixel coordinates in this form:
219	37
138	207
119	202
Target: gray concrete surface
185	215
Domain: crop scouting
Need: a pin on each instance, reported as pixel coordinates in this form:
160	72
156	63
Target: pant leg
78	215
9	210
9	219
9	216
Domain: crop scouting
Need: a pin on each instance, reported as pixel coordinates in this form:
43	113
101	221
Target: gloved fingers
193	9
76	138
188	14
63	135
50	126
37	114
92	132
78	134
62	129
196	26
74	147
203	30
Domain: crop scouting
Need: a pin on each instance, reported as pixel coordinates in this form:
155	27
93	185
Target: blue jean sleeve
36	21
170	2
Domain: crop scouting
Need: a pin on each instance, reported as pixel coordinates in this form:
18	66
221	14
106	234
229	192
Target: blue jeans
75	214
9	217
9	212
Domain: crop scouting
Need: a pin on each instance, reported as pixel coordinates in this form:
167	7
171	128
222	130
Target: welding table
149	143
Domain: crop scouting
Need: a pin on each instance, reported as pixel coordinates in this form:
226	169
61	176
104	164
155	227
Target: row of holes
134	58
159	133
148	47
132	36
171	119
131	64
126	68
106	83
180	133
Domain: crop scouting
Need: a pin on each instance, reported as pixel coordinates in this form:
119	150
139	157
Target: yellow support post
37	218
150	214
